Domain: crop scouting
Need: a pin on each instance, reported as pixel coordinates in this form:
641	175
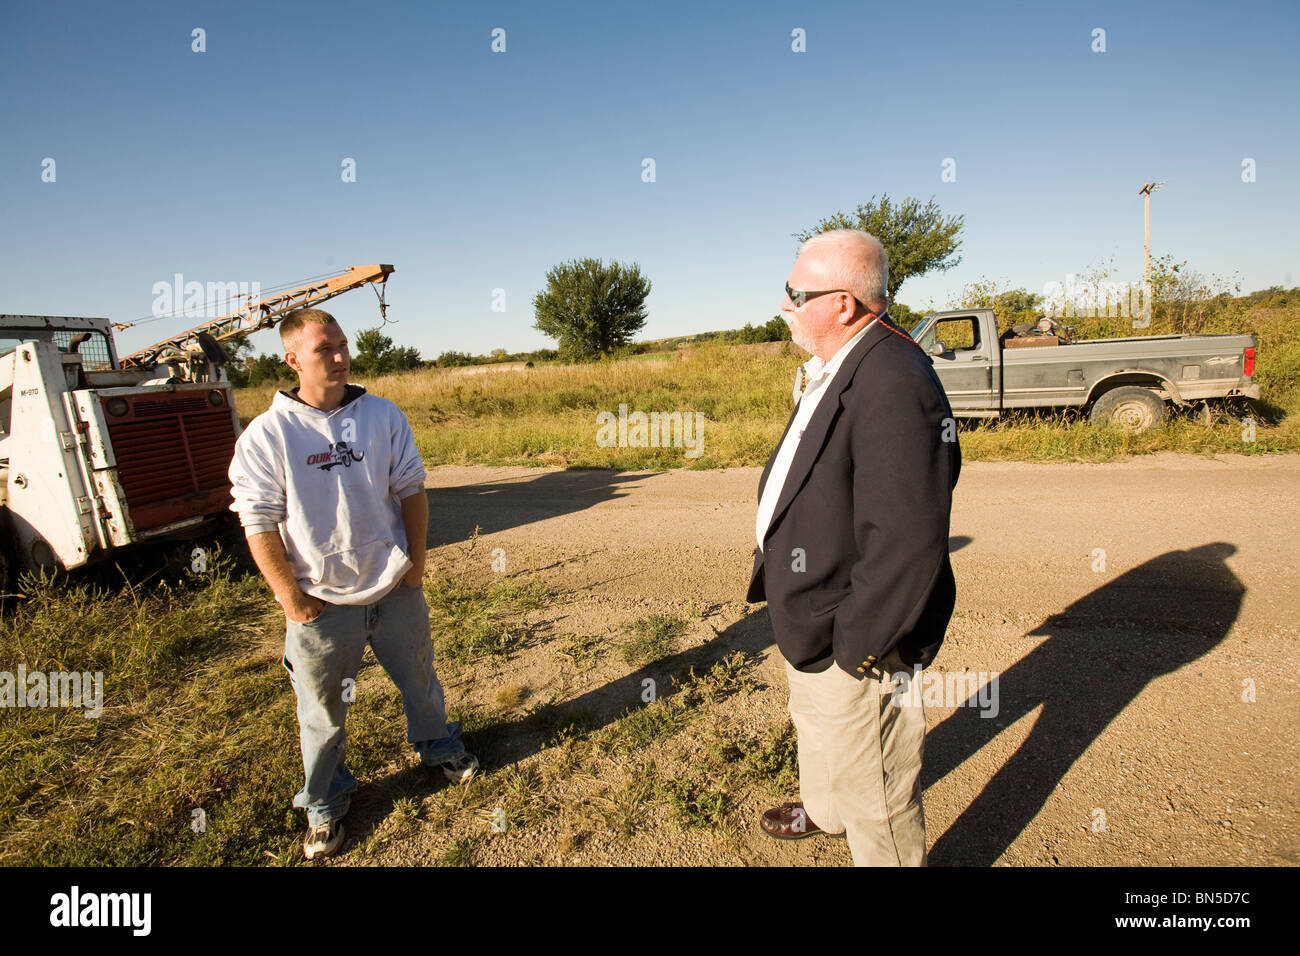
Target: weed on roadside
510	696
627	808
652	638
583	650
461	852
692	805
473	620
769	761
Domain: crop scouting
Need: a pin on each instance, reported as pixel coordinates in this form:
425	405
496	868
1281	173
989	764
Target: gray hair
854	260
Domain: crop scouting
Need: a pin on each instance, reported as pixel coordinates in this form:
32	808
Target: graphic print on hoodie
339	454
331	483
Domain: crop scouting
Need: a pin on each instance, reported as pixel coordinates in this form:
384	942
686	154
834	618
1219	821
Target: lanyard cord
889	324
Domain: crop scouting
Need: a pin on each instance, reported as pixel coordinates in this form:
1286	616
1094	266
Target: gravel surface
1141	616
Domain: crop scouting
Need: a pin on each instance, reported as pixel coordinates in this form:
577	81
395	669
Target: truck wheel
1131	407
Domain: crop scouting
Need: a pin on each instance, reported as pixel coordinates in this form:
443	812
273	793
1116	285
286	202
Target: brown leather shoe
790	822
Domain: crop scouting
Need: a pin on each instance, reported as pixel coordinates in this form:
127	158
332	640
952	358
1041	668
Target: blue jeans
322	657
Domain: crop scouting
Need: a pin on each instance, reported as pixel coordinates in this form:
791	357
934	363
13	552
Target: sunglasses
800	296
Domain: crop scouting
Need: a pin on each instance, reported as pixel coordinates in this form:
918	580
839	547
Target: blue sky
478	171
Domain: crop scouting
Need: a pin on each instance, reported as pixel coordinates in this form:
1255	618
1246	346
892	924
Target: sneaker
460	769
323	840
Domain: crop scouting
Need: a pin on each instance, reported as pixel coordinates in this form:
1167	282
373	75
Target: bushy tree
1010	306
775	329
269	368
376	355
245	369
590	308
917	237
455	359
905	317
1184	299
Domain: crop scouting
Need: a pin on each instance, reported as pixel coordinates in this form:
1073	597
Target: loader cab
92	346
85	345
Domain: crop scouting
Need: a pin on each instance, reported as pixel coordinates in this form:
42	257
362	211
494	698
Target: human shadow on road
511	502
602	705
1102	651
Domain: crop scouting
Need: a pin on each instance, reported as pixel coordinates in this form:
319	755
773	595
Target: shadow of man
512	502
1104	649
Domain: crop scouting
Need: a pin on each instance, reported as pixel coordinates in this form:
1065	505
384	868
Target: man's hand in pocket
301	608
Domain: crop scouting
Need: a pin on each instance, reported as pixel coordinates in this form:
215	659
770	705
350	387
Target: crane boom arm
263	314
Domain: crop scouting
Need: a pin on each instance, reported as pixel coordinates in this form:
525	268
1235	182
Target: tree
904	316
245	370
777	329
240	351
268	368
454	359
591	308
376	355
1010	306
918	238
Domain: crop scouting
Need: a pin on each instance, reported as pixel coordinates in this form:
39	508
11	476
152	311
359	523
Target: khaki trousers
860	761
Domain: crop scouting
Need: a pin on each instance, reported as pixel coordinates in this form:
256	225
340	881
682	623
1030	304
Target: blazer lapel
814	435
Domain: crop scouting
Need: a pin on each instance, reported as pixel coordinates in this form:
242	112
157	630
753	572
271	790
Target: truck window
959	334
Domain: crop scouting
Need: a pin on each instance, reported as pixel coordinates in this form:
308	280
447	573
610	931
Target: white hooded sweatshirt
331	483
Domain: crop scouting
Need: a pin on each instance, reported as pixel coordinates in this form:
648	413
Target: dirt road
1141	616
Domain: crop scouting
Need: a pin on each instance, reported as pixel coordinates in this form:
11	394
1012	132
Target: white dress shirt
819	375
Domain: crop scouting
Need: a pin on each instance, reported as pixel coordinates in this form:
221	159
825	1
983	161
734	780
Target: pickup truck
1124	382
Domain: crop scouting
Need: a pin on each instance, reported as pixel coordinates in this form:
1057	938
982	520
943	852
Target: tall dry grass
546	415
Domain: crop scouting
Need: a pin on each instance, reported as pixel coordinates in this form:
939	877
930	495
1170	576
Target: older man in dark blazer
852	557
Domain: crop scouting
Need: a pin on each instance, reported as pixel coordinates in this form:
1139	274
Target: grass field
547	415
195	759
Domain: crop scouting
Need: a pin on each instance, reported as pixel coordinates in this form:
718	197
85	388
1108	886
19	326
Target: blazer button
862	670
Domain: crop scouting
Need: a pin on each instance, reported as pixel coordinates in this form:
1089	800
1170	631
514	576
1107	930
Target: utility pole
1146	192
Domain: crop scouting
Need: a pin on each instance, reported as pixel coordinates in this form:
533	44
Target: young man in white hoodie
329	488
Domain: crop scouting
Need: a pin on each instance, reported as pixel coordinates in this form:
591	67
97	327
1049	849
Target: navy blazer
855	559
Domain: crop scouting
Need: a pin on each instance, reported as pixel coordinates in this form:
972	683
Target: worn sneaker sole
312	851
463	775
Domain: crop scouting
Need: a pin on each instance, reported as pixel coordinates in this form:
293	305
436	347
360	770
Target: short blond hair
295	320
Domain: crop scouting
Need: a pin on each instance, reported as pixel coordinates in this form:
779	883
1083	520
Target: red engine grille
173	465
170	406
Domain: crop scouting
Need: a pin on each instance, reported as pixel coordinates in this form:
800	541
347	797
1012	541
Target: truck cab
964	349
